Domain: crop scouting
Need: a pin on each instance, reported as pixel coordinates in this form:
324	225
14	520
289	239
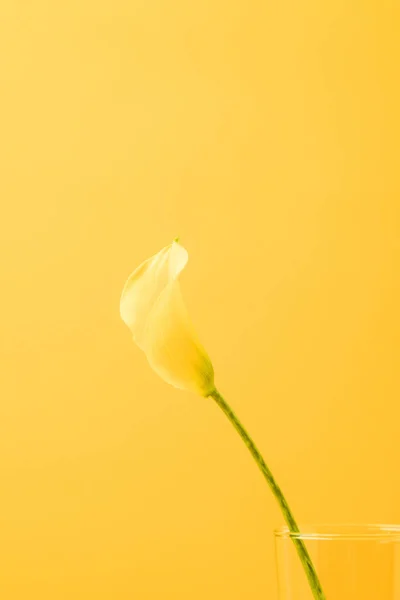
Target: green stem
276	490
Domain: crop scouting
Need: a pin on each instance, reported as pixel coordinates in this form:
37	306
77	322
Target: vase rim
340	531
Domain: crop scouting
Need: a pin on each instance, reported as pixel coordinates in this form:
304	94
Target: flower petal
172	346
146	283
153	308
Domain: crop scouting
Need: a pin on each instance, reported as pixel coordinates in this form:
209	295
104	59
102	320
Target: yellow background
266	135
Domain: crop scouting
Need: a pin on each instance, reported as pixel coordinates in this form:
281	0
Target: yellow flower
152	307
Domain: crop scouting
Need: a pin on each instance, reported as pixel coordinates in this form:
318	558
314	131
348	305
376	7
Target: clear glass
357	562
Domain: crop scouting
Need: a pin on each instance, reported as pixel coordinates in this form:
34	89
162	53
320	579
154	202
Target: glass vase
357	562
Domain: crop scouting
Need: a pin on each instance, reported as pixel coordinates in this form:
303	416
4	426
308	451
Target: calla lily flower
152	307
